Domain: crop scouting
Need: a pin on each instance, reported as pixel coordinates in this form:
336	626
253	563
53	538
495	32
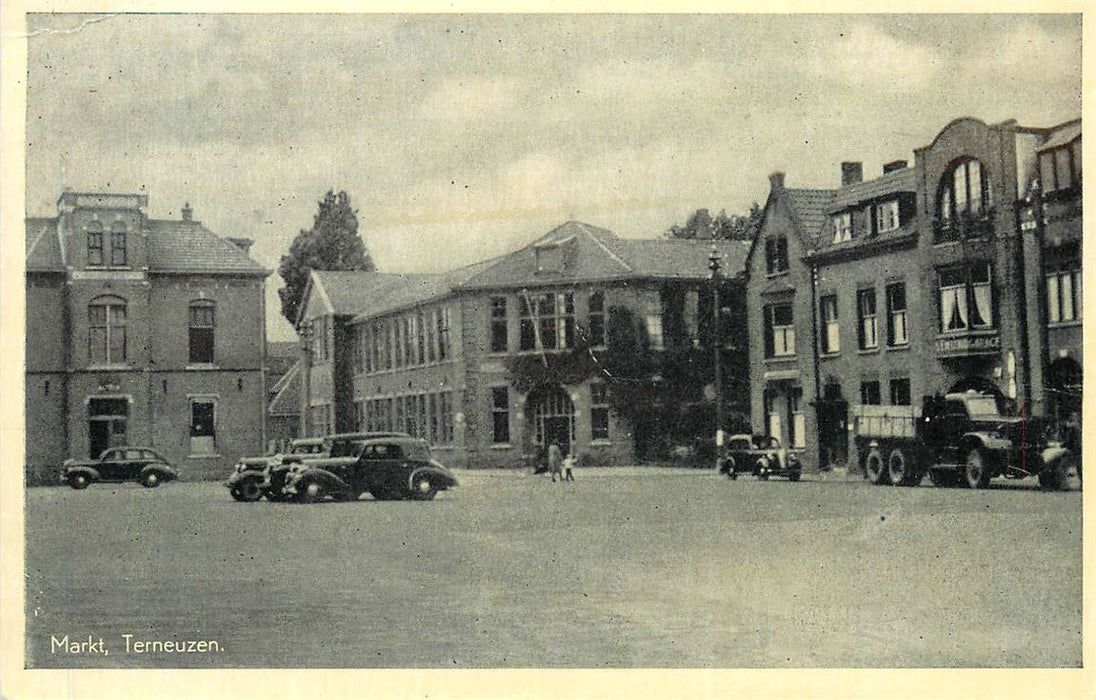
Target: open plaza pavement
626	567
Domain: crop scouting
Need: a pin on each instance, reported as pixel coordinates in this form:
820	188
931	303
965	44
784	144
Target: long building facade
961	271
143	332
494	361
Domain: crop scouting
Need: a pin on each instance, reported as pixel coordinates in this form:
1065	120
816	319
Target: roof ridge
601	244
37	240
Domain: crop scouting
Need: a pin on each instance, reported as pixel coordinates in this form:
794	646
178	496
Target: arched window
107	330
965	191
202	325
118	243
95	243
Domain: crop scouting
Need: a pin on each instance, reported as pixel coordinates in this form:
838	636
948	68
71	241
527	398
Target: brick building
140	331
959	272
439	355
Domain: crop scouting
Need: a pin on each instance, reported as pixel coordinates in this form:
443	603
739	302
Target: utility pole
717	349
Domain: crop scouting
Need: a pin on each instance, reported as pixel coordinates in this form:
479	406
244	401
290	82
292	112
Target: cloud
866	57
470	98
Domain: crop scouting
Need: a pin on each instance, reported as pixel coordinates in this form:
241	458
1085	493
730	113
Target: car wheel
901	470
1063	474
976	469
874	466
150	480
236	495
423	488
250	490
794	476
311	492
79	481
1048	479
729	468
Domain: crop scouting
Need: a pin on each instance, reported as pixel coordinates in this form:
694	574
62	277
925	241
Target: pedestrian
555	461
568	465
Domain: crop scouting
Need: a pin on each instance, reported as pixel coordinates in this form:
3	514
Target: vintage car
760	455
255	477
388	468
117	464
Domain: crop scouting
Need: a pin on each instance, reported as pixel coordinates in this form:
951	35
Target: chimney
776	181
188	213
893	166
852	172
243	244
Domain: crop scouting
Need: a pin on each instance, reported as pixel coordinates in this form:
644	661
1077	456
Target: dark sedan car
760	455
254	477
139	464
388	468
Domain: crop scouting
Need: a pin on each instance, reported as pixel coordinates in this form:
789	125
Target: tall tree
700	224
333	243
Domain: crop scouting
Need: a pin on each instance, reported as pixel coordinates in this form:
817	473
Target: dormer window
886	216
1060	168
95	243
776	255
842	227
965	191
550	255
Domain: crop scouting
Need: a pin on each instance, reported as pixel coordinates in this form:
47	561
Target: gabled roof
809	208
287	394
591	253
187	246
347	292
43	249
684	259
1062	135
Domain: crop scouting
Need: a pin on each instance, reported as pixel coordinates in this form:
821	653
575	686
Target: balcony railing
963	227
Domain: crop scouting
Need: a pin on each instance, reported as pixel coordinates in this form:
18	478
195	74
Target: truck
957	439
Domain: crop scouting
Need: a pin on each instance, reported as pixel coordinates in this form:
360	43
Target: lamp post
304	331
717	347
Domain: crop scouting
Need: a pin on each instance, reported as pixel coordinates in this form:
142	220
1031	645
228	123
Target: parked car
255	477
117	464
388	468
760	455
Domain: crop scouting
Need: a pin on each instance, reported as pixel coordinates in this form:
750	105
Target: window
118	243
203	431
897	330
966	298
107	331
95	243
779	331
831	329
654	331
886	216
442	319
776	255
869	393
599	411
597	319
445	417
547	321
900	392
1060	168
798	420
500	414
499	327
965	191
868	329
1063	296
201	331
842	227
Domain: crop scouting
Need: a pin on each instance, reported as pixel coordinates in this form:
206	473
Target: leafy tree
734	227
333	243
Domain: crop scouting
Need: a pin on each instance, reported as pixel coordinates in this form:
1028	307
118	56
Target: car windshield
983	406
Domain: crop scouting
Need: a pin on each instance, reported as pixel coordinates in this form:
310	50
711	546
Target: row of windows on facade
500	414
965	302
427	415
107	336
546	323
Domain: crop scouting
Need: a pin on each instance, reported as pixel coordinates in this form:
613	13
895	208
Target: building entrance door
107	419
552	417
558	430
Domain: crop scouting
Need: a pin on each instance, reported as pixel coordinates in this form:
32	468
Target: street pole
717	347
305	333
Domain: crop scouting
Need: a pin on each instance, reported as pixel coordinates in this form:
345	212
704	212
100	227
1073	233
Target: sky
463	137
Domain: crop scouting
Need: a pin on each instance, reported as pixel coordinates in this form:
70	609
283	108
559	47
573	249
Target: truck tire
876	467
976	469
901	469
